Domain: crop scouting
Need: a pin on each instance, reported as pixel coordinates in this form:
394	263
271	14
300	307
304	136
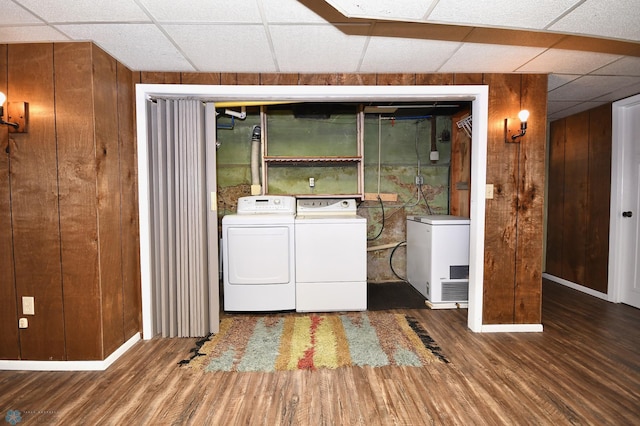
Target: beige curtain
181	280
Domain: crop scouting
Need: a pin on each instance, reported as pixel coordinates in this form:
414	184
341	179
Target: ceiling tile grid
500	13
229	48
372	36
569	108
589	87
14	14
188	11
31	34
603	18
476	57
568	62
411	10
68	11
315	48
141	47
389	55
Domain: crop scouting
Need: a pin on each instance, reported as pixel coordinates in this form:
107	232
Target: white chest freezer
438	258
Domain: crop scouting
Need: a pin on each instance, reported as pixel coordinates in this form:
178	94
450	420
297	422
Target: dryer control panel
267	204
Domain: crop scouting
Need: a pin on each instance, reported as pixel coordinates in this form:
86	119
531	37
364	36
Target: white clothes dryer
258	256
331	256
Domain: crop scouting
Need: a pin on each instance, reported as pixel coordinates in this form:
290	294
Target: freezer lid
440	219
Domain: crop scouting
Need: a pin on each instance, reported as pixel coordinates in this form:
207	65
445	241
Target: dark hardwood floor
583	369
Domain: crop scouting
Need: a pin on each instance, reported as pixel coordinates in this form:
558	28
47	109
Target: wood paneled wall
579	197
514	218
69	204
68	195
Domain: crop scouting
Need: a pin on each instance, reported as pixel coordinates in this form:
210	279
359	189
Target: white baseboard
511	328
70	365
575	286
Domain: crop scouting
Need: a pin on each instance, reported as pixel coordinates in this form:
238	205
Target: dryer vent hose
255	155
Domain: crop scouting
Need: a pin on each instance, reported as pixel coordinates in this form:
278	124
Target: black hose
391	259
381	227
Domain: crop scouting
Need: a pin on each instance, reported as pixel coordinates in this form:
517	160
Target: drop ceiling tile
224	48
30	34
141	47
567	62
621	93
391	54
589	87
293	11
13	14
316	48
500	13
178	11
472	57
557	80
604	18
578	107
60	11
411	10
625	66
553	107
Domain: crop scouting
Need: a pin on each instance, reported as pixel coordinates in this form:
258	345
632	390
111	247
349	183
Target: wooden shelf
310	160
351	163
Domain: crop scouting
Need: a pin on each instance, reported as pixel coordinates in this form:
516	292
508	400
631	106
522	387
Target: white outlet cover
28	307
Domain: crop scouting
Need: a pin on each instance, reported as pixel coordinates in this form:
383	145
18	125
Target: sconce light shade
523	116
17	115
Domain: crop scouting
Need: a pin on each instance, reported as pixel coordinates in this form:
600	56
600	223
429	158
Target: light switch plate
28	307
489	191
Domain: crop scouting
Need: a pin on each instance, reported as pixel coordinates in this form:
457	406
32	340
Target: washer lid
440	219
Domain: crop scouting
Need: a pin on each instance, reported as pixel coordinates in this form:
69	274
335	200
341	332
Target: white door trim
616	236
477	94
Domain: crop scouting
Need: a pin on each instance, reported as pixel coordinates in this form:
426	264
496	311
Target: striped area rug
314	341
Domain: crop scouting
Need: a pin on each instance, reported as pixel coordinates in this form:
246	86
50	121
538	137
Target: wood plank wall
9	343
63	183
35	223
514	218
460	168
579	197
70	205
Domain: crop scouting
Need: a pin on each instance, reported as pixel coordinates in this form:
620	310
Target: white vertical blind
178	199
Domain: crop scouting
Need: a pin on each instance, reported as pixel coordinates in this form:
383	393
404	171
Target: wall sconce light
523	116
17	114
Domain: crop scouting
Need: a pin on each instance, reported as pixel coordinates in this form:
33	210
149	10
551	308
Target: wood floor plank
583	369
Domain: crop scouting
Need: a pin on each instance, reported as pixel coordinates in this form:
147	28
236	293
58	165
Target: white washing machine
331	256
258	256
438	259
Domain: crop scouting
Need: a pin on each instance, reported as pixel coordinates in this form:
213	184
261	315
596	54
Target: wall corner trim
511	328
70	365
